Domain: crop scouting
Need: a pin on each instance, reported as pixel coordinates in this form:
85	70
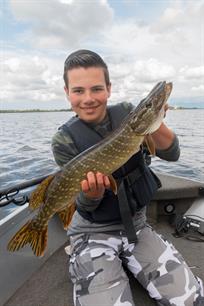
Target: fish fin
66	215
38	195
28	234
150	144
113	184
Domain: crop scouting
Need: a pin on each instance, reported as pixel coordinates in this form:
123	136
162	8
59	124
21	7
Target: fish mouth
158	97
161	93
167	90
149	113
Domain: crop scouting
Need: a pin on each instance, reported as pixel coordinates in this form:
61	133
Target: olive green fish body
102	159
106	156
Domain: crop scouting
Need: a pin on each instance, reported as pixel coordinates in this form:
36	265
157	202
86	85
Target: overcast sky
142	41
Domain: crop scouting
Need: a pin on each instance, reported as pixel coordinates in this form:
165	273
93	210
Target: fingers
96	181
106	181
85	186
95	184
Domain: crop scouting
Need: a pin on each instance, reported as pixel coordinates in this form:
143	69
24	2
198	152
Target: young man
99	235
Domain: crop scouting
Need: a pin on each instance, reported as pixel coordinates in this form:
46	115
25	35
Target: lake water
25	146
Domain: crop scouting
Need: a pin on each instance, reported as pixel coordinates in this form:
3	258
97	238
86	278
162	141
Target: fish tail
29	234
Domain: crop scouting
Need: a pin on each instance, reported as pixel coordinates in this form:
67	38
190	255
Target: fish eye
148	104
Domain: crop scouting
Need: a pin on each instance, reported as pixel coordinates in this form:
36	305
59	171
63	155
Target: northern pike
57	193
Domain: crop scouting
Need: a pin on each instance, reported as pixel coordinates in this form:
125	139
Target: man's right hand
95	185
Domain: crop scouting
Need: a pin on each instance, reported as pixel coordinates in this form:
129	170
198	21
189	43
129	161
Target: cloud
133	81
153	70
175	36
62	24
31	78
170	47
199	88
179	31
139	54
192	73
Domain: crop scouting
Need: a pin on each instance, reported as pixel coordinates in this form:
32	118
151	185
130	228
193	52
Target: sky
142	41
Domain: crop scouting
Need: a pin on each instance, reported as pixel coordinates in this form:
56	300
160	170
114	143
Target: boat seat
174	187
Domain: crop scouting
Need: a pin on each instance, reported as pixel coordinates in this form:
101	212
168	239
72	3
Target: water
25	146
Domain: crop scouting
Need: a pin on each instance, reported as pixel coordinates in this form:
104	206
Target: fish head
149	113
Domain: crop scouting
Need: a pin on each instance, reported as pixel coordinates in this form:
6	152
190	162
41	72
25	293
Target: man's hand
95	185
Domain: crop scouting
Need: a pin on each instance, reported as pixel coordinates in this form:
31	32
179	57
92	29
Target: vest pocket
143	188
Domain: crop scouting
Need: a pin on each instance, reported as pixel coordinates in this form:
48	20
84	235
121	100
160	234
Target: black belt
125	212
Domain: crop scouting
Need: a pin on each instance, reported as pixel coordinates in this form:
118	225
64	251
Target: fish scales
105	157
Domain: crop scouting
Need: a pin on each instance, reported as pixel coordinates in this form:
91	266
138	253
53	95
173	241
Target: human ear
66	90
109	89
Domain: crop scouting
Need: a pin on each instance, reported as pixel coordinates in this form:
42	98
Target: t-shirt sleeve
63	148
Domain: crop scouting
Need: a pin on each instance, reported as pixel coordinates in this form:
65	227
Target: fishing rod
11	194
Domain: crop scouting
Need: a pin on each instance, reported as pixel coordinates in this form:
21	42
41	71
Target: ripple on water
25	151
26	148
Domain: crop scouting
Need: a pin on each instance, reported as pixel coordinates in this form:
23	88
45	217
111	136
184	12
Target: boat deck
50	285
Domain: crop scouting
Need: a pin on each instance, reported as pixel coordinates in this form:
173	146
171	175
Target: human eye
77	90
97	89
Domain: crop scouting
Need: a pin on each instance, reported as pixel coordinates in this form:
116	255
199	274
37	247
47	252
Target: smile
90	107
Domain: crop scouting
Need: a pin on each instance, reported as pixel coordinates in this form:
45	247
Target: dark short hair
85	59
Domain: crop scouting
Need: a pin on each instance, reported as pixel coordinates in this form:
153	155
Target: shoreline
70	110
33	110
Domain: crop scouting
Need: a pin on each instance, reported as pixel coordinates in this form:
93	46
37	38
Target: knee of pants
91	271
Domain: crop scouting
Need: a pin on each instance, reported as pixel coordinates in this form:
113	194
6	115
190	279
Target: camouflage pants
96	269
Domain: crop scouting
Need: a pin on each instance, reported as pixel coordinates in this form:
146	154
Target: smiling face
88	93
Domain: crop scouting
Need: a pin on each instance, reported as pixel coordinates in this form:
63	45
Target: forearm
172	153
163	137
166	143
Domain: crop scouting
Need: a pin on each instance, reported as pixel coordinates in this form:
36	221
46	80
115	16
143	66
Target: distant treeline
69	110
181	107
33	110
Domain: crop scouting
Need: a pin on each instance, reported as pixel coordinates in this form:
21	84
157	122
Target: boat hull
29	281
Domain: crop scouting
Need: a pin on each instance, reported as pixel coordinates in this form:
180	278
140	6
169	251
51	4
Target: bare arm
166	142
163	137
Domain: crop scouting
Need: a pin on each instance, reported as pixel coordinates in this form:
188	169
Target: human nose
88	97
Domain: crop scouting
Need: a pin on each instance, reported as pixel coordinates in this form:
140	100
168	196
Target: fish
57	193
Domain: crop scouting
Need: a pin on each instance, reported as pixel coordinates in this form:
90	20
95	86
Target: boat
27	280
